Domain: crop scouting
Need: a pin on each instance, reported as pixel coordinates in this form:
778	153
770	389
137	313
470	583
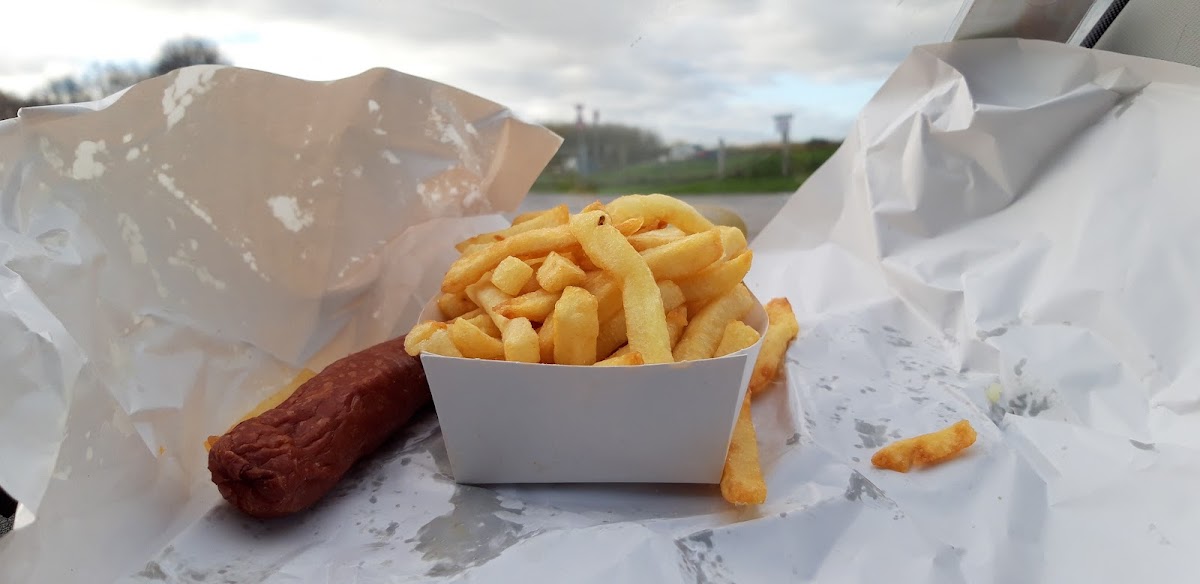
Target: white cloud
693	69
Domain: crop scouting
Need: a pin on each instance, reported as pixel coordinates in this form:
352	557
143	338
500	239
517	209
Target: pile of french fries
645	279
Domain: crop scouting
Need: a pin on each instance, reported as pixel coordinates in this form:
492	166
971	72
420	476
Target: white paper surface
174	254
1007	236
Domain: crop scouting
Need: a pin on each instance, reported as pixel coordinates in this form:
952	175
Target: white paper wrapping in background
1007	236
173	255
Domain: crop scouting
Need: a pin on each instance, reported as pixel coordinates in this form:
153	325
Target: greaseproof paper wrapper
174	254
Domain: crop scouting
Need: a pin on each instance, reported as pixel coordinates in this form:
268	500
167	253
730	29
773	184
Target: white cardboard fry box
506	422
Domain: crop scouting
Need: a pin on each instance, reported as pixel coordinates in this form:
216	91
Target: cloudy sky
691	69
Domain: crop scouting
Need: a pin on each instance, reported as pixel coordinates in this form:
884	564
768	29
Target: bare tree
185	52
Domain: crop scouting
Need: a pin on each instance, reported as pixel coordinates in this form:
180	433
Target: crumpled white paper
174	254
1006	236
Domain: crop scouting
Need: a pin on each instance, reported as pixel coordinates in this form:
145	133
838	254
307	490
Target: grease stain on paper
288	212
872	435
471	534
86	167
699	561
860	485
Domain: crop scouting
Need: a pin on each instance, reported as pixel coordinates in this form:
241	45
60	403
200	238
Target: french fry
511	275
715	280
419	334
654	208
475	312
651	239
742	481
781	329
484	323
925	449
474	343
640	295
612	331
488	297
607	292
520	342
733	241
738	335
469	268
575	327
549	218
623	360
672	295
629	226
558	272
454	304
703	333
530	215
677	321
535	306
685	257
530	286
546	340
439	343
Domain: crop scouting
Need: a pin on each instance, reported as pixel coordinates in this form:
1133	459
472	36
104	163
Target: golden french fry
623	360
781	329
925	449
703	333
738	335
654	208
629	226
742	481
546	340
613	333
530	286
715	280
439	343
469	315
474	343
484	323
535	306
672	295
607	291
641	298
510	275
677	321
576	327
531	215
454	305
558	272
685	257
488	297
469	268
654	238
557	216
520	342
733	241
419	334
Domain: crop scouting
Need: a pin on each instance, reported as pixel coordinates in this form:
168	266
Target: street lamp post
581	146
783	123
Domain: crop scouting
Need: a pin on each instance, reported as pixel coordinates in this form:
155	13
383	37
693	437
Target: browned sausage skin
289	457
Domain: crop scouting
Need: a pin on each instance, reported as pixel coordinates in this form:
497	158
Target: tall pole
581	146
783	123
595	132
720	158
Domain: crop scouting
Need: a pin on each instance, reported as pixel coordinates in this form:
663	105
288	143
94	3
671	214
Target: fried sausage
290	456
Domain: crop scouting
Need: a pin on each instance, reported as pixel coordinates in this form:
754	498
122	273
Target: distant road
755	209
